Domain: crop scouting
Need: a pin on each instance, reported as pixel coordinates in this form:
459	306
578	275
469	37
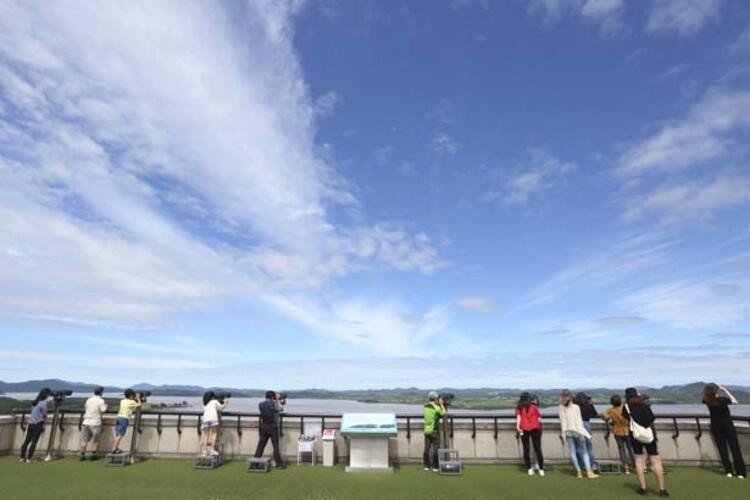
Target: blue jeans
577	449
589	444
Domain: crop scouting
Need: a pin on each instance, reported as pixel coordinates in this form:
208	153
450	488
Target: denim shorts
121	426
209	424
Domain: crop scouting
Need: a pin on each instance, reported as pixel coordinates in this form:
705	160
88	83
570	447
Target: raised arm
729	394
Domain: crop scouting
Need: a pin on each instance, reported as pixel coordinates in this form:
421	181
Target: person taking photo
433	411
270	416
722	428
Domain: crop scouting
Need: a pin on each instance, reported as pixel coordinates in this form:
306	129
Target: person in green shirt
128	405
433	410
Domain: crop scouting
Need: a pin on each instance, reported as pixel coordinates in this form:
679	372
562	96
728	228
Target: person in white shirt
91	427
213	404
571	425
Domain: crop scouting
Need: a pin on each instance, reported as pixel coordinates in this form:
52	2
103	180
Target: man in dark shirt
270	411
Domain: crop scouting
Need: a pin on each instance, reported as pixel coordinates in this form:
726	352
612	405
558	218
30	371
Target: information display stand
368	435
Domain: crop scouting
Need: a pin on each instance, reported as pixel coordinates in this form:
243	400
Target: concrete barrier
684	441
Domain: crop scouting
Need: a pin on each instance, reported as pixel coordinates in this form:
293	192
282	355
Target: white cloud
380	328
159	158
691	201
541	173
616	260
444	144
327	103
476	303
703	134
684	17
685	304
605	12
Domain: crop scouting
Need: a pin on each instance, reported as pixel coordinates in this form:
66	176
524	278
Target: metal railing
483	420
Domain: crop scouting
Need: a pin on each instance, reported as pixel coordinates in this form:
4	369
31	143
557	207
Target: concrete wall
483	447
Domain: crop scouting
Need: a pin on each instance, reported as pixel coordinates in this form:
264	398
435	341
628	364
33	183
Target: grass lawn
175	479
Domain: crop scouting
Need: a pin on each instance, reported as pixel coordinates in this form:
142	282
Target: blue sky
537	193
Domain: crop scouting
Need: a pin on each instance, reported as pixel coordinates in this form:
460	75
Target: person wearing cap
91	427
433	411
638	411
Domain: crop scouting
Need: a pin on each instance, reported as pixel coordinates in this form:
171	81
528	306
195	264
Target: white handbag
641	434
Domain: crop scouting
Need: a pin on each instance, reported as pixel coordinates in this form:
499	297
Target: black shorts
638	447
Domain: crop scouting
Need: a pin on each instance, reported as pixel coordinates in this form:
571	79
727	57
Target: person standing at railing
588	411
128	405
642	436
91	427
210	426
529	427
571	426
40	407
434	410
621	431
723	429
270	418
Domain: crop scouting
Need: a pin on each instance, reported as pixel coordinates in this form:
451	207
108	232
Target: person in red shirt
529	425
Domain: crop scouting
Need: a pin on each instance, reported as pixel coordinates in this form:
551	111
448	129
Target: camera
281	397
59	395
142	395
447	398
221	396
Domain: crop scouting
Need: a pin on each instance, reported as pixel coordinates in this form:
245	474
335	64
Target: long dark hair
208	396
581	399
709	394
43	394
524	401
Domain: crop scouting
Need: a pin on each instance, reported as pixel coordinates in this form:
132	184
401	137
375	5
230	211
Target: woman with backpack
722	428
641	420
571	426
529	426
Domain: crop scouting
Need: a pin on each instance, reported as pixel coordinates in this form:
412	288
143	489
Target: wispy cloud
684	17
443	143
685	304
690	201
607	13
617	260
476	303
542	172
326	104
155	162
703	134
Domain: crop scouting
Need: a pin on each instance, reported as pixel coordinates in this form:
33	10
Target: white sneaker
435	469
214	453
427	469
531	472
541	472
729	475
741	477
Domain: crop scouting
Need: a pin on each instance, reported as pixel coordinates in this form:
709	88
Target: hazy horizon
373	194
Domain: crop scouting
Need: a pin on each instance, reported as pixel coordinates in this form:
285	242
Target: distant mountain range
473	398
